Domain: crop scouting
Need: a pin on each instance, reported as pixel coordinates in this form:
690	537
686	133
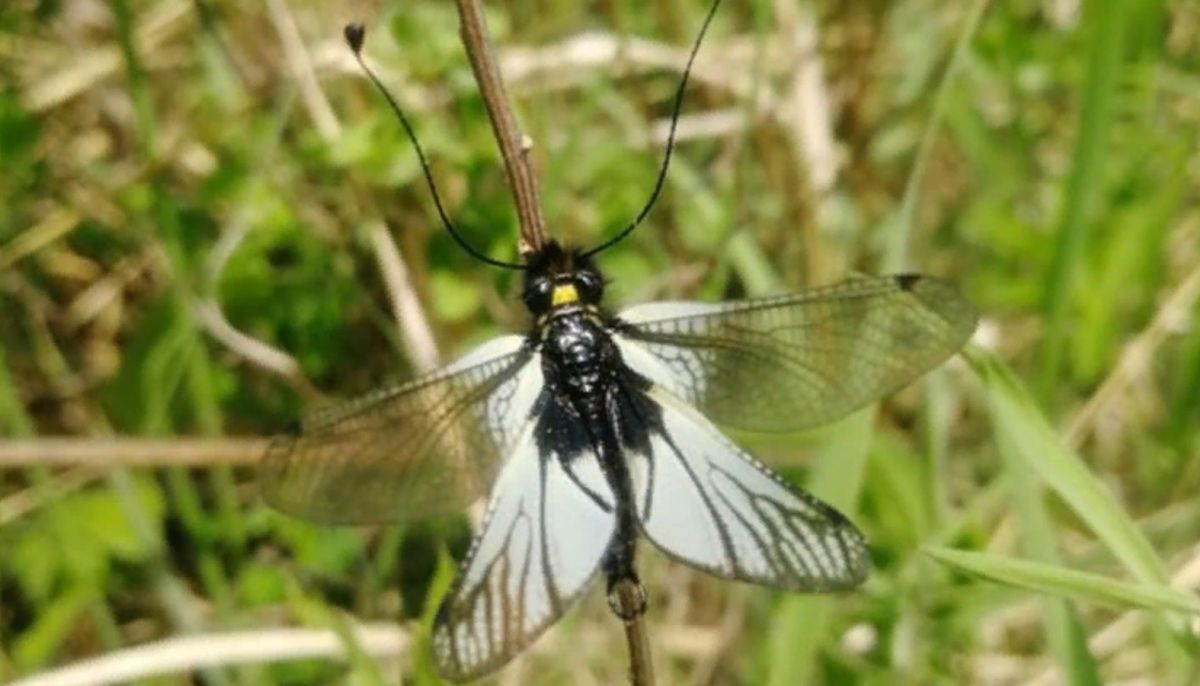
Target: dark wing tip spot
907	281
355	33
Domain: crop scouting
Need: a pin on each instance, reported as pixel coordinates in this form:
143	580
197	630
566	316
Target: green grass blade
1105	45
800	626
1035	443
1064	630
896	254
314	611
1069	583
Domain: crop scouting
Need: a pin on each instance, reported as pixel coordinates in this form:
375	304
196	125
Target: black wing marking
415	450
793	362
705	502
548	524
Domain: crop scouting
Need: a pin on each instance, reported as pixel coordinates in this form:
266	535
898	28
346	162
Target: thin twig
315	102
406	307
103	292
896	256
1138	355
110	453
514	145
211	317
30	498
191	653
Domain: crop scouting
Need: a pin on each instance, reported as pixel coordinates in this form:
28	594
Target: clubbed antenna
355	34
666	162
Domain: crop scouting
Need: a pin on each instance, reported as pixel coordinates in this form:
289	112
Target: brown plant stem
514	145
628	603
628	598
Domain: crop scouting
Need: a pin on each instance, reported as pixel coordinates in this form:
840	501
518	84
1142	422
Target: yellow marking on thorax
564	294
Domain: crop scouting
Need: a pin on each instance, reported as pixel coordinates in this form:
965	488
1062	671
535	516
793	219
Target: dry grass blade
112	453
48	91
1173	317
188	654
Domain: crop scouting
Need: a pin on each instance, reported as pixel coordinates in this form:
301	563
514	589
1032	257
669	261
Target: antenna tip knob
354	33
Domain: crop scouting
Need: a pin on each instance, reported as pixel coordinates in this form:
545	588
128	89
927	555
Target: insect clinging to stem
594	429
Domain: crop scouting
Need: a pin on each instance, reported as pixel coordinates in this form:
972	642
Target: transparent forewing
796	361
409	451
549	521
705	502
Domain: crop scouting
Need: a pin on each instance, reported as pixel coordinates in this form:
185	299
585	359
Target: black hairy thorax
592	399
580	361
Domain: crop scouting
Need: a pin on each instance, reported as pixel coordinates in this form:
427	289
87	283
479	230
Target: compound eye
590	286
537	295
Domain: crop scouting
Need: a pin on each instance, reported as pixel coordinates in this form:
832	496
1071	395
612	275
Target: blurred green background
202	211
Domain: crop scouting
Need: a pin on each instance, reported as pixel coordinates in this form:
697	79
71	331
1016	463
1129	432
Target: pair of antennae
355	34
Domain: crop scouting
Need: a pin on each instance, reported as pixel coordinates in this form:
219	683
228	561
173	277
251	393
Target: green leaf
36	561
99	515
260	584
1070	583
55	622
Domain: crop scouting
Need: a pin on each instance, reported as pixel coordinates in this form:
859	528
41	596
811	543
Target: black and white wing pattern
549	522
414	450
796	361
707	503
